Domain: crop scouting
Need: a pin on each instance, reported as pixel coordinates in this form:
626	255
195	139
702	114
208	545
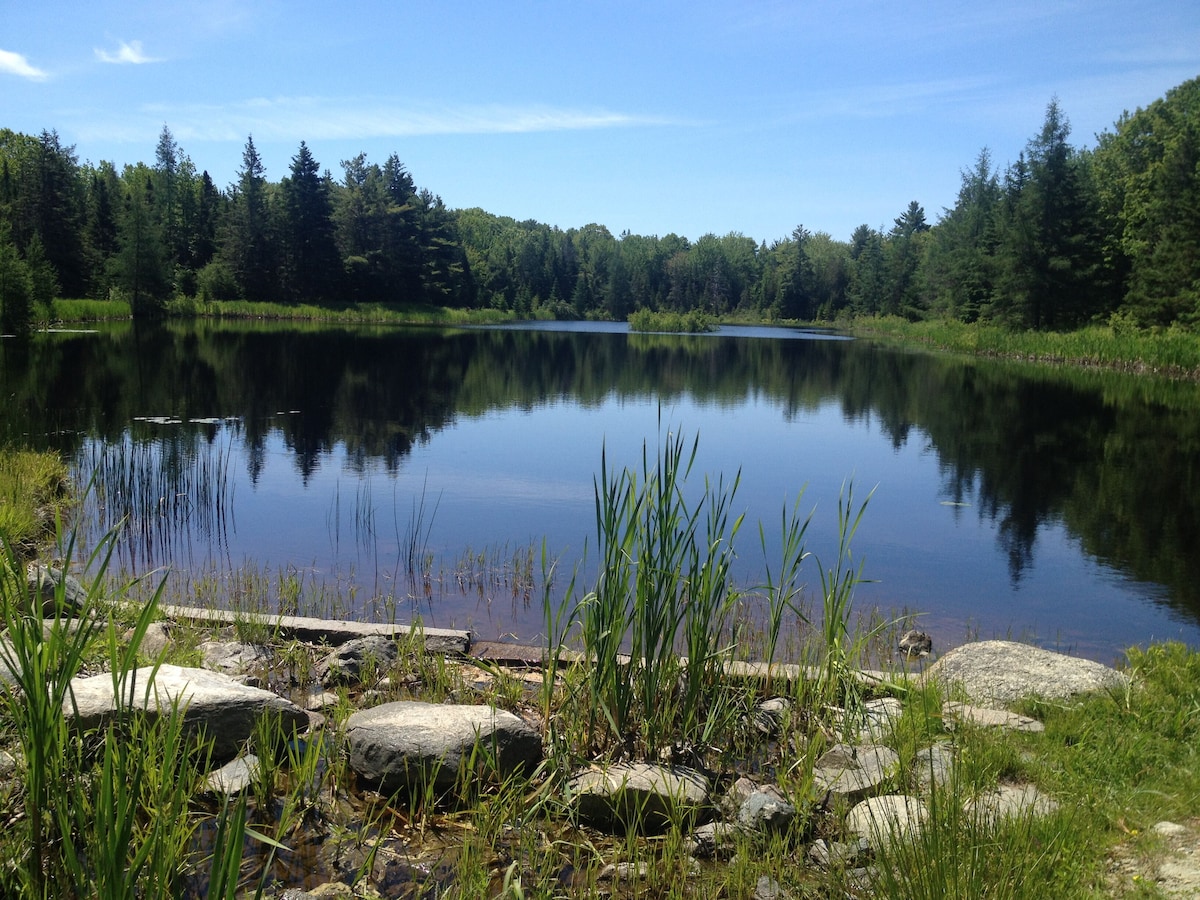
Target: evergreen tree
310	255
248	248
140	267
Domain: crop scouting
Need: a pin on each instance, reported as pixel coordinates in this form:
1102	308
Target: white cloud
16	64
129	53
314	118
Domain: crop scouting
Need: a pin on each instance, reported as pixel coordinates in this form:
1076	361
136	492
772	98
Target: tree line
1059	238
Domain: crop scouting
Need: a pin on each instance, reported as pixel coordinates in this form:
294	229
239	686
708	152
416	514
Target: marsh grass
1117	344
34	492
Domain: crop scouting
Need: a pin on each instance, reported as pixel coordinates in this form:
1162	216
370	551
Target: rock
1010	801
1005	671
873	720
642	795
714	839
953	711
155	641
836	855
44	583
407	744
915	644
934	766
767	888
882	820
214	704
764	811
234	777
233	657
854	771
352	659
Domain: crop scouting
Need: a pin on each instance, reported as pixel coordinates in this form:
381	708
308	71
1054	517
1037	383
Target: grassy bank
1172	352
121	810
33	491
71	311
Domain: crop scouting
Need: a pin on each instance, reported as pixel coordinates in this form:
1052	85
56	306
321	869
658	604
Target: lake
1055	506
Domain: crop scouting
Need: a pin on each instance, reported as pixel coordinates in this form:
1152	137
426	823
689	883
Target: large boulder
1006	671
408	744
212	704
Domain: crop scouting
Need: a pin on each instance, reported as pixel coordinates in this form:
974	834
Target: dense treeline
1061	237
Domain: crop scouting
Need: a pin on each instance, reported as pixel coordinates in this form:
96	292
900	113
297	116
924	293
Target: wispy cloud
318	118
16	64
129	53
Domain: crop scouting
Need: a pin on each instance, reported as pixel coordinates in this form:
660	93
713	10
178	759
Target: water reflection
1053	504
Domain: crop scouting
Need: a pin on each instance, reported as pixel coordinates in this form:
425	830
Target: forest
1062	237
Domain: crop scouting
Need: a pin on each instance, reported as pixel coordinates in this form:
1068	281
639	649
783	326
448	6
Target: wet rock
211	703
1005	671
407	744
642	795
884	819
852	771
234	777
915	644
352	660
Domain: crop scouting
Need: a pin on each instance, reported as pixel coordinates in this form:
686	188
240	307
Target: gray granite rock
407	744
211	703
884	819
351	660
641	795
852	771
1005	671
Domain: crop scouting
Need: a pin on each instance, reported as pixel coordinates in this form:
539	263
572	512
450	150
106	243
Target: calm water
1052	506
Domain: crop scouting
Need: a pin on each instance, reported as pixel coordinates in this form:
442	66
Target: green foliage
671	322
34	491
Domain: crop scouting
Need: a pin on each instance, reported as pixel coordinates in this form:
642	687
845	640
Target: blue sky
686	117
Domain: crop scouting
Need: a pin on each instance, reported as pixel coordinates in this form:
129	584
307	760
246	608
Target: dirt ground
1170	863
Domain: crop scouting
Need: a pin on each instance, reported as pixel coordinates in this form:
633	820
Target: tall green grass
34	492
1118	345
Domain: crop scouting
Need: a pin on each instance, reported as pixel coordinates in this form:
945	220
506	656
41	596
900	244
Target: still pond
418	471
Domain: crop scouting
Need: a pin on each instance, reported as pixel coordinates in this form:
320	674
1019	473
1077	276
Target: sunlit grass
1172	351
34	489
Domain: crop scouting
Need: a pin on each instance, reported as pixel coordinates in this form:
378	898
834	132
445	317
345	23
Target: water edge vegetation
117	812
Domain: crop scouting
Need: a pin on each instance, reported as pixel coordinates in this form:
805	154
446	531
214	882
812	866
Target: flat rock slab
853	771
329	631
642	795
218	706
1011	801
953	711
882	820
407	744
1006	671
